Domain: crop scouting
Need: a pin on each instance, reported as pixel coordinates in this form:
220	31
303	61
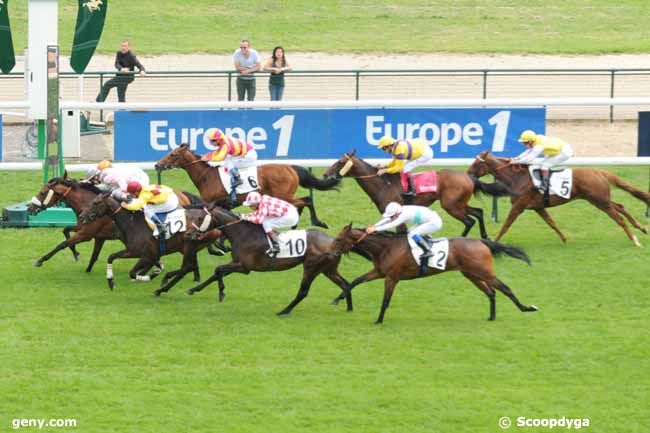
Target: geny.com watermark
40	423
564	422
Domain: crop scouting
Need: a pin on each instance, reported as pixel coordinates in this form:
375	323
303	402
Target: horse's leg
389	287
551	222
611	210
308	277
621	209
369	276
219	273
516	210
123	254
338	279
66	234
139	270
503	288
77	238
95	254
177	276
485	288
169	275
477	213
309	202
459	211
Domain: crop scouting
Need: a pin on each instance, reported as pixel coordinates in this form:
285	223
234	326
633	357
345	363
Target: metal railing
357	84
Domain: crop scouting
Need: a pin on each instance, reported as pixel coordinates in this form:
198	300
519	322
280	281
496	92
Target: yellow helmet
386	141
104	164
527	136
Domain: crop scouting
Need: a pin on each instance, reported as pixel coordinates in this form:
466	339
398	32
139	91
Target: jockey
555	152
153	200
407	155
423	219
232	153
118	178
272	213
92	174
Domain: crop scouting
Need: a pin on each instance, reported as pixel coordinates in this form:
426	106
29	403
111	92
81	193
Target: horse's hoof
189	292
38	263
378	322
335	302
76	257
197	279
111	284
349	310
320	224
532	308
156	292
222	296
282	313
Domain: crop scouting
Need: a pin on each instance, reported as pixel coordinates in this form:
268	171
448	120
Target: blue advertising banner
327	134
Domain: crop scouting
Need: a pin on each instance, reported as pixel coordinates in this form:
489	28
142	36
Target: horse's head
481	165
221	216
347	165
101	205
177	158
344	241
51	194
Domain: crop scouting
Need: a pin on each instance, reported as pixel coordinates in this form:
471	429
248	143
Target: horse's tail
497	248
495	189
615	180
308	180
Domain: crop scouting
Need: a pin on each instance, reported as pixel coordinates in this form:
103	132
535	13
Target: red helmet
215	134
133	187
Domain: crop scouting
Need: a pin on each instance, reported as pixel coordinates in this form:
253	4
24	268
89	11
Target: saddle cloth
439	248
560	183
293	243
248	177
174	222
424	182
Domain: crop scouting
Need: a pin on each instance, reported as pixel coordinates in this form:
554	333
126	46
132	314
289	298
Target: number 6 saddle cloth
293	243
439	249
248	177
561	181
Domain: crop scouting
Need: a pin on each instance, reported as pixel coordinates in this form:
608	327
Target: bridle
51	192
348	165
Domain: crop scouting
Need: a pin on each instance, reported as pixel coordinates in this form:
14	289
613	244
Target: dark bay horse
455	189
139	241
249	244
277	180
588	184
77	195
392	260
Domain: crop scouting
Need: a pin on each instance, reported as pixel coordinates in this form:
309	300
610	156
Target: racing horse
589	184
139	240
392	260
249	244
277	180
454	189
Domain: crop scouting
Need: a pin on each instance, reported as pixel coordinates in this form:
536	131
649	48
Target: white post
42	31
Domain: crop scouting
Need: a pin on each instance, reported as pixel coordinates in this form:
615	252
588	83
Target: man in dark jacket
125	63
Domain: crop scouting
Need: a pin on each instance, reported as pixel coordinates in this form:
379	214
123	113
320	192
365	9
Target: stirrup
272	251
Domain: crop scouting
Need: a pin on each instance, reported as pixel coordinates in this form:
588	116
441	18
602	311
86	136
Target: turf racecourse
126	361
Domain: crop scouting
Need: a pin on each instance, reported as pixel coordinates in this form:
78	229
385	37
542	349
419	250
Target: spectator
247	62
277	65
125	63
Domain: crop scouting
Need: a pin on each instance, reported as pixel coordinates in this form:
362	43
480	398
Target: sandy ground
588	128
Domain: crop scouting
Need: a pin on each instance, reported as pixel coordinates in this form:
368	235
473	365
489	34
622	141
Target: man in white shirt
247	62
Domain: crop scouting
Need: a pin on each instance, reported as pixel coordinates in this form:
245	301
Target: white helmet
392	209
91	173
253	197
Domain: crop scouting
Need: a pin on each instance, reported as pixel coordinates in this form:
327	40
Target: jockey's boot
275	244
426	252
235	179
545	177
162	244
410	192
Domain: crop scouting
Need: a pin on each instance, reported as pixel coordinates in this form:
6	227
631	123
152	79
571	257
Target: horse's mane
387	235
73	183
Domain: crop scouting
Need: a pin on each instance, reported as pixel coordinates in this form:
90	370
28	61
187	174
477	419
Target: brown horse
392	260
588	184
77	195
139	240
277	180
455	189
249	245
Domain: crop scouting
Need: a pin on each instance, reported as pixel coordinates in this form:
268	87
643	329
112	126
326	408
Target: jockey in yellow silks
153	200
555	151
407	155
